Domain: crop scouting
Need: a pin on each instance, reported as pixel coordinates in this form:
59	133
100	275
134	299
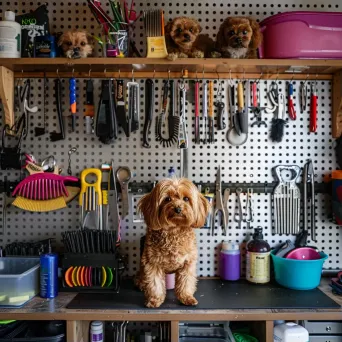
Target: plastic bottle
172	172
49	274
230	261
96	331
10	37
258	259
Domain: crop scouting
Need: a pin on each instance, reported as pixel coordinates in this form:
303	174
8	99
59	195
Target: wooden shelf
143	66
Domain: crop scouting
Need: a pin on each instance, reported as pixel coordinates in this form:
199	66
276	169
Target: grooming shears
219	205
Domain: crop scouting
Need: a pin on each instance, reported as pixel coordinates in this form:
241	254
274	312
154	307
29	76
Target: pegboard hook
132	75
72	73
168	75
119	73
57	72
89	73
154	73
258	81
203	72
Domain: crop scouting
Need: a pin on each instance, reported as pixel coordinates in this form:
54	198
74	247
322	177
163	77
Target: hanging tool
286	201
70	152
149	109
183	135
133	105
38	131
290	104
278	121
249	215
72	100
313	107
90	199
106	125
197	128
226	195
237	115
219	208
124	176
120	107
211	112
161	118
238	217
54	136
205	109
113	200
309	196
255	108
89	112
232	135
303	96
243	104
219	104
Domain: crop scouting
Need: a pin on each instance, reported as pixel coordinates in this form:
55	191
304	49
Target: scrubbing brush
172	120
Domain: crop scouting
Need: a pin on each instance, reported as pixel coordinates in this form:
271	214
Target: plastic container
44	46
230	261
302	35
96	331
258	259
19	279
290	332
298	274
10	37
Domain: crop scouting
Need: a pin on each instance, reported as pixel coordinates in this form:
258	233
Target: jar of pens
116	30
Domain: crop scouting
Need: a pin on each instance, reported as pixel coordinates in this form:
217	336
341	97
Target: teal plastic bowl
298	274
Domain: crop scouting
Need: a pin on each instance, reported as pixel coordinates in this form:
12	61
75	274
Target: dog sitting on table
171	212
238	37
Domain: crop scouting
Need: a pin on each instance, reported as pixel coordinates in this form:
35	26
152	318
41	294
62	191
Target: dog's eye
83	43
191	30
244	32
186	199
179	30
168	199
231	33
69	43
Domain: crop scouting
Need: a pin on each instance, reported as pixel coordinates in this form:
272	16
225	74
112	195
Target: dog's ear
168	28
199	27
91	39
148	205
257	35
62	38
201	211
220	38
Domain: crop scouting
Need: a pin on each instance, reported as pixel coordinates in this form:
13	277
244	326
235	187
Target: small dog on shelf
76	44
183	39
171	211
238	37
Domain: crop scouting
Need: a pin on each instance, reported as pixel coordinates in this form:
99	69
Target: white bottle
96	331
10	37
290	332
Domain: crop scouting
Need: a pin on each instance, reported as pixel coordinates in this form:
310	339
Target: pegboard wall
251	162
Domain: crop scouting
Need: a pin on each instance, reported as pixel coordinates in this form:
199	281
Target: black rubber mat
212	294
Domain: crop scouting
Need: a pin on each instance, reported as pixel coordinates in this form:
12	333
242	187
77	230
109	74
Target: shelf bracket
7	94
337	105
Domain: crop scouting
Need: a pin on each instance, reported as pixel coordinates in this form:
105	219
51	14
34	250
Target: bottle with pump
258	259
49	274
10	37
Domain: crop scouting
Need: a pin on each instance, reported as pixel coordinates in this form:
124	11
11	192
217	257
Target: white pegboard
251	162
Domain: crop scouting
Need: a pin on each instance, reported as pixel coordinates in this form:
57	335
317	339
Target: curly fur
238	37
183	39
76	44
171	211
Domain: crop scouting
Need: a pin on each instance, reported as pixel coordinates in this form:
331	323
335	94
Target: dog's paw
182	55
198	54
215	54
188	300
172	56
154	302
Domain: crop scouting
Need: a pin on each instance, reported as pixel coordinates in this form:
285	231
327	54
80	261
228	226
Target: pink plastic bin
315	35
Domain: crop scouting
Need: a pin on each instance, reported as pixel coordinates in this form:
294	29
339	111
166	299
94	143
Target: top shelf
269	67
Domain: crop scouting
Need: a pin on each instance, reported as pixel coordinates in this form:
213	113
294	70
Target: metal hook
89	73
203	72
57	73
154	73
72	73
292	76
196	75
168	75
132	75
258	81
119	73
104	73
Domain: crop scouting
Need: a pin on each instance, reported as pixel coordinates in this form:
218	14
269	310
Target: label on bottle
258	267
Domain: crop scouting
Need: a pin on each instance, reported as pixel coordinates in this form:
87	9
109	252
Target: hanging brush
278	122
172	120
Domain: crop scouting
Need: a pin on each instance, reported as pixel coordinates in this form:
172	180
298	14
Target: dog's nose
178	210
76	49
187	36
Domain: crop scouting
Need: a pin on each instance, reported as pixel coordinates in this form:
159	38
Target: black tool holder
96	262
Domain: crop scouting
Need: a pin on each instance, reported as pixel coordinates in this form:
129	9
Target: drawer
325	338
324	327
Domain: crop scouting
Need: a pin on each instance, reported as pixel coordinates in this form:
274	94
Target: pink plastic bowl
303	253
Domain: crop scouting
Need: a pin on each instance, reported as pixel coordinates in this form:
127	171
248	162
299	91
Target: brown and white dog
183	39
76	44
238	37
171	212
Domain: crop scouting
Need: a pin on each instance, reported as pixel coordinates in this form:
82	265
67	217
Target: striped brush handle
43	186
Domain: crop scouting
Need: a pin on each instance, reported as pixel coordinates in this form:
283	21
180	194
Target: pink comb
43	186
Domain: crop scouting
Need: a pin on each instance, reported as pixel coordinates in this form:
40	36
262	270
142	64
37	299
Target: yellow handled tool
241	104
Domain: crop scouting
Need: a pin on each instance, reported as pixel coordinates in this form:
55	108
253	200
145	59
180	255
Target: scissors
124	175
219	205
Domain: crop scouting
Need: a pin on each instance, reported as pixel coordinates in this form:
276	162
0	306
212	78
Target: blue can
49	275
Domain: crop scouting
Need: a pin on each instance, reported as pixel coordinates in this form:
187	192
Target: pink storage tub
315	35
